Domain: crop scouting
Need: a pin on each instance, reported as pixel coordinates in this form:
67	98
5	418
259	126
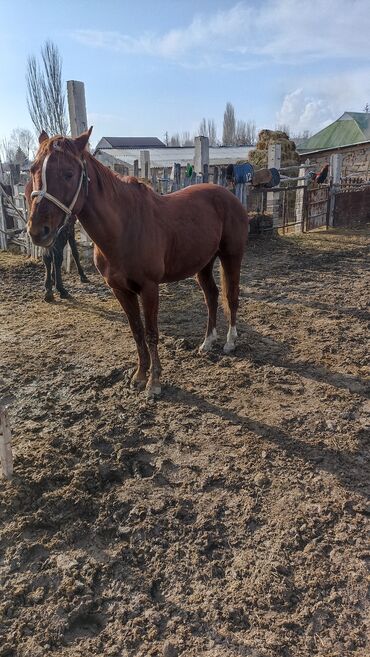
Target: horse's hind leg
210	291
150	299
230	276
47	258
76	257
130	304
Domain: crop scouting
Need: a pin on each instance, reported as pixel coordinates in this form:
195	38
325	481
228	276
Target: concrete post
78	124
144	163
299	201
335	170
273	198
201	154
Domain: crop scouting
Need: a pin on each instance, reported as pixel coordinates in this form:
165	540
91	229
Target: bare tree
212	132
251	133
241	133
283	127
46	95
7	151
207	128
228	134
23	139
175	140
366	108
203	128
186	139
166	138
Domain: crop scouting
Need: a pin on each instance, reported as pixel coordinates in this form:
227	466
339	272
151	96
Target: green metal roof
350	128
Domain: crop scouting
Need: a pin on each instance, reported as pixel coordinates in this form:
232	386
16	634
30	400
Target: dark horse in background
141	238
53	260
53	257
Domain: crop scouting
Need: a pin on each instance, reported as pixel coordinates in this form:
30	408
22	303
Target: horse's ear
44	135
82	140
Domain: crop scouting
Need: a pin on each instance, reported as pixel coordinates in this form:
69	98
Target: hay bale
259	156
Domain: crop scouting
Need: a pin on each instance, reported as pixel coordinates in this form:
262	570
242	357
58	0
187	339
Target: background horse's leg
210	291
130	304
76	257
58	261
230	276
48	258
150	299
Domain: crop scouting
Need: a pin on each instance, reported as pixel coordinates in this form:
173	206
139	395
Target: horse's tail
224	299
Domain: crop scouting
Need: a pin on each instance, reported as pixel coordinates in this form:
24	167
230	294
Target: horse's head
58	186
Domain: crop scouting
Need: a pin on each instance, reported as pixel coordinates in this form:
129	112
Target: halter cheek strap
43	193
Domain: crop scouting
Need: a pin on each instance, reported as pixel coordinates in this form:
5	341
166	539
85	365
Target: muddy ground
226	519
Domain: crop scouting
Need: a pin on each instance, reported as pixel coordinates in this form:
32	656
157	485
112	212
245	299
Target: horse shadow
342	464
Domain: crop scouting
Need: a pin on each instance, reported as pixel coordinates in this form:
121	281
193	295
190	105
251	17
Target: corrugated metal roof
167	156
130	142
350	128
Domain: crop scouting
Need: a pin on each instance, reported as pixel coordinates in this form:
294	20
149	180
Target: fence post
205	173
273	198
201	154
144	163
3	240
215	175
136	168
6	456
300	198
335	170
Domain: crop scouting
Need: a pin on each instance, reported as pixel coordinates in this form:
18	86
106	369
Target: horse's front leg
150	299
58	261
130	304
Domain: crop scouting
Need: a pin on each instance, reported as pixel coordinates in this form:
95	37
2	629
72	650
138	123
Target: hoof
229	347
49	297
84	279
208	342
64	294
153	390
138	381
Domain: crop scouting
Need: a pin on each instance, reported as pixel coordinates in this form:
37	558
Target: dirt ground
226	519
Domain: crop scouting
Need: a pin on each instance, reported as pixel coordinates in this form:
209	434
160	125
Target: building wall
356	160
352	207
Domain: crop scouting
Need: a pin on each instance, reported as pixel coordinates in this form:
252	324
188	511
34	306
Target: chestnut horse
141	239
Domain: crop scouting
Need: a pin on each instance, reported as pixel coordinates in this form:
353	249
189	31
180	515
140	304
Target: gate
317	207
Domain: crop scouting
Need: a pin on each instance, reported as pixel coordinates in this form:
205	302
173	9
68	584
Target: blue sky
151	67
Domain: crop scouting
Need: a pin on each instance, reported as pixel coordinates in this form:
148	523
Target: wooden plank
6	455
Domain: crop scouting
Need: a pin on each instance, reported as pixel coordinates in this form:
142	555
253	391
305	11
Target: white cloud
301	112
322	99
279	30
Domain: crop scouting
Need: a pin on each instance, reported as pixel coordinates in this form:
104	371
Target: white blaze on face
230	340
208	342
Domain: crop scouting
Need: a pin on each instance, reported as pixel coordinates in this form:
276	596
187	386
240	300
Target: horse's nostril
46	231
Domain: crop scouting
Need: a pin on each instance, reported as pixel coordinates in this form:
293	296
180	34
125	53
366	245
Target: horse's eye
68	175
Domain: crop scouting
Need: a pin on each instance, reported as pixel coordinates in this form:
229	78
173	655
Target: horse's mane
105	176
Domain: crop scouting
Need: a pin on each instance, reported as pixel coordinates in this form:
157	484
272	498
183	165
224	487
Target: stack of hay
289	155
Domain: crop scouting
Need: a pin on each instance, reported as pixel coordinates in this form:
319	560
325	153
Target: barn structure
121	152
350	136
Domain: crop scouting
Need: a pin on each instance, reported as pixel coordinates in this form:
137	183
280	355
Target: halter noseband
43	193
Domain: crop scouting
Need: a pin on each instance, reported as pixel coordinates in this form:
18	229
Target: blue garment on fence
243	173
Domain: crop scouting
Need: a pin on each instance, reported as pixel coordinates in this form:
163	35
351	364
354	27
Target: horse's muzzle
42	236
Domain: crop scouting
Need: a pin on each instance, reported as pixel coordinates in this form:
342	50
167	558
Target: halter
43	193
